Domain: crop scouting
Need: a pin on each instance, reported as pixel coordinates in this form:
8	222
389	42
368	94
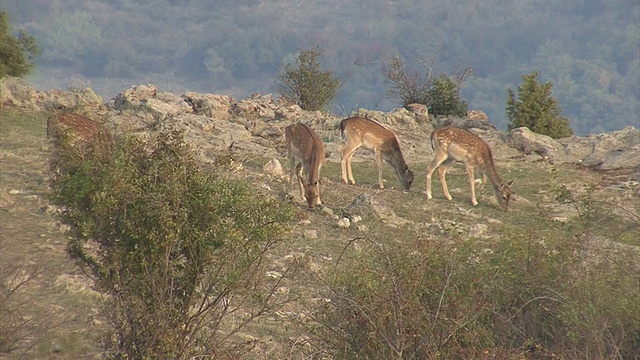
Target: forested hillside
590	50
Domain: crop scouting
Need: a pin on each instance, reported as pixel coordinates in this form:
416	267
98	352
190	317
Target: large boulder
210	105
531	143
133	97
15	92
81	101
614	150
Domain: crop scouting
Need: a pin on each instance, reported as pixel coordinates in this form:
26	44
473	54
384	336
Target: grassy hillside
556	276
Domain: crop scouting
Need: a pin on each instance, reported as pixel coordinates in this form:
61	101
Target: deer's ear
511	182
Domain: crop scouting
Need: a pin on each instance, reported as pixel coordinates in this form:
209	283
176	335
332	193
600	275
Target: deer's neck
313	167
490	170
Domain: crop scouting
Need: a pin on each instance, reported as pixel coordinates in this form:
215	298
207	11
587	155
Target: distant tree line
589	51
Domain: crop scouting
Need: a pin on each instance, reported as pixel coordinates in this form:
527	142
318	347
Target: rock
344	223
466	123
15	92
85	102
133	97
310	234
477	115
210	105
529	143
614	150
326	211
273	168
366	205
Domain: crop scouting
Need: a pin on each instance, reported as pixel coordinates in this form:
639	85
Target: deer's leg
442	171
347	153
379	164
437	161
292	166
472	184
318	202
300	181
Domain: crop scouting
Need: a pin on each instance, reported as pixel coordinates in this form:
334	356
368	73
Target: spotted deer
306	152
361	132
455	144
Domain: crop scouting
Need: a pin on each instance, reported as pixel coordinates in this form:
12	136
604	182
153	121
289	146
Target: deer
360	132
452	144
306	152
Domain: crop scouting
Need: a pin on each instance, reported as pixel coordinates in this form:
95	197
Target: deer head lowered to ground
306	152
361	132
455	144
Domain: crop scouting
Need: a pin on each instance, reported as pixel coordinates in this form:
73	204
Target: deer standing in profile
306	152
455	144
369	134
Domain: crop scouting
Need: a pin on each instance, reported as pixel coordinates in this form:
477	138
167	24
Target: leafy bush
306	84
442	95
176	250
445	99
536	109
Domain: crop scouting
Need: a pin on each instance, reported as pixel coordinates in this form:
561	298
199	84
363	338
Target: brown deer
306	151
369	134
455	144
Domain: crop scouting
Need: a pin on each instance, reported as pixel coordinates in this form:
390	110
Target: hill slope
557	205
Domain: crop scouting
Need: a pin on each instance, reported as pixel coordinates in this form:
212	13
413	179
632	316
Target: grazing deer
455	144
369	134
306	151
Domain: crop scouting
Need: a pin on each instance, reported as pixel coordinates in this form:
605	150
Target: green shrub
306	84
445	99
536	108
176	250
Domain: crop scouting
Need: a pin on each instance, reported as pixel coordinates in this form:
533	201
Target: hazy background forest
589	49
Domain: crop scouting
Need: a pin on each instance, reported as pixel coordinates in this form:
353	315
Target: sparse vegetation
526	294
306	84
441	95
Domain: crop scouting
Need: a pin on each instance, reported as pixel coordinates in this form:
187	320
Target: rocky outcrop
16	93
614	150
214	122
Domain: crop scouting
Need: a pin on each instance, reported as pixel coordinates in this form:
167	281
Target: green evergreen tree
16	53
305	84
536	109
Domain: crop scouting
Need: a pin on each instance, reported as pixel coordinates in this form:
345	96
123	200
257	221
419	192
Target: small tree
175	250
16	53
442	95
305	84
536	109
